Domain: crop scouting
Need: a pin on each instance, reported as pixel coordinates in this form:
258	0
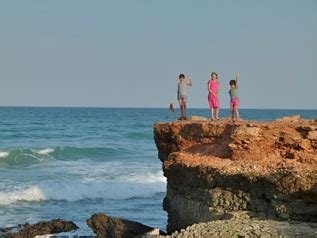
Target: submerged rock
105	226
38	229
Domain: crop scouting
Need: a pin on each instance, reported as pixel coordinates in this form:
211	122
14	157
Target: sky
129	53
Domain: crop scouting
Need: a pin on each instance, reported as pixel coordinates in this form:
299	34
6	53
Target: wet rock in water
38	229
105	226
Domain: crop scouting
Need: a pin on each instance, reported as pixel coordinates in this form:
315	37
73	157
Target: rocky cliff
219	170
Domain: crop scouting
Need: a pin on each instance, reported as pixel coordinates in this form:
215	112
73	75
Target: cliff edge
219	170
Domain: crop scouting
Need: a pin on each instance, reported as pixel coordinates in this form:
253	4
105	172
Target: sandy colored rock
198	118
220	170
312	135
247	131
252	228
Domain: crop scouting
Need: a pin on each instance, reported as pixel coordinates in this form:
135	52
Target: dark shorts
182	97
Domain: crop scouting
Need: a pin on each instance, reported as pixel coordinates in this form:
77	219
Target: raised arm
237	80
190	82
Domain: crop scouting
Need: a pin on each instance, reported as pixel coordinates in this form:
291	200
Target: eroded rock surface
219	170
237	228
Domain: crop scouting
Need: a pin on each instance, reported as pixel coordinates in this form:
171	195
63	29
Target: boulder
105	226
40	228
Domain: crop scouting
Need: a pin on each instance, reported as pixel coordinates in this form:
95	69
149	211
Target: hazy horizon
128	54
164	108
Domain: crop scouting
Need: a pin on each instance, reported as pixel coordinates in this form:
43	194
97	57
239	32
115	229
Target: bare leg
185	108
232	113
181	106
217	113
213	114
237	113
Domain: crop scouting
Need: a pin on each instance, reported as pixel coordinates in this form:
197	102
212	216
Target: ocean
70	163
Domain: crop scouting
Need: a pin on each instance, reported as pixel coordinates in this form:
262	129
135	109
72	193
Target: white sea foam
4	154
146	178
45	151
32	193
75	191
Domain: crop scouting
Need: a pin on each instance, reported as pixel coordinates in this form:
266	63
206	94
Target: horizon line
145	107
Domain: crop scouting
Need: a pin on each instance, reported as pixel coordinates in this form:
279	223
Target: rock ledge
219	170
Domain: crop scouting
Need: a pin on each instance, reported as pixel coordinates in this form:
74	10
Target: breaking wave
76	191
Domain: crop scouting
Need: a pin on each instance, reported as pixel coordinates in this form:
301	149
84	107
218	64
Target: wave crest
27	194
45	151
4	154
76	191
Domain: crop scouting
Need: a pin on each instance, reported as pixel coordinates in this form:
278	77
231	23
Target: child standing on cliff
213	96
234	99
182	94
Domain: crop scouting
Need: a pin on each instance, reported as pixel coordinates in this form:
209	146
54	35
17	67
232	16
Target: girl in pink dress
213	96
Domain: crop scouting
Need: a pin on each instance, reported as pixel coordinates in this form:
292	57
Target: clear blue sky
129	53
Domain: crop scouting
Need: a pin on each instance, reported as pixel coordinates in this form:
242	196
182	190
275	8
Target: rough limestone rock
38	229
252	228
105	226
312	135
220	170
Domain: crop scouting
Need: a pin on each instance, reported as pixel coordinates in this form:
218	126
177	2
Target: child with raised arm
182	94
213	96
234	99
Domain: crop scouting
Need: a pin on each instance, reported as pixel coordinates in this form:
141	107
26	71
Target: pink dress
214	87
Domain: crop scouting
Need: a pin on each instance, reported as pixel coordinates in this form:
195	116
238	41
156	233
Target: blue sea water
70	163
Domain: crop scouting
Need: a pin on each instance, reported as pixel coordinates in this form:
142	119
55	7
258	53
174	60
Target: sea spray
4	154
